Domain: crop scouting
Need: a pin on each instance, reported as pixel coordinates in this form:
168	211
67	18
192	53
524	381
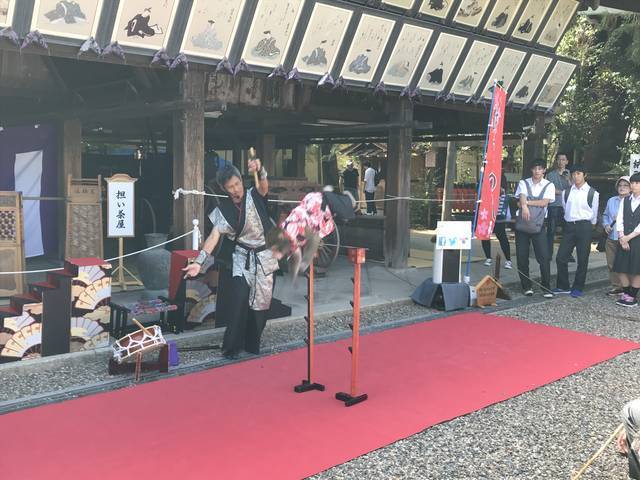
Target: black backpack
376	178
590	194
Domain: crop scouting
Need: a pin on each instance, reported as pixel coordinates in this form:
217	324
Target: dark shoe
230	355
561	291
528	293
614	292
627	301
576	293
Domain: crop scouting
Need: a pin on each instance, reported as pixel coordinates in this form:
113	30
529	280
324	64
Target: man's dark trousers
539	241
576	235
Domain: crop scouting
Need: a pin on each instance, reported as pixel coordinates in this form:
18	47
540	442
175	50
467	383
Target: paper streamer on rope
279	71
89	45
10	35
36	39
115	50
339	84
241	66
180	61
380	89
161	58
326	79
294	75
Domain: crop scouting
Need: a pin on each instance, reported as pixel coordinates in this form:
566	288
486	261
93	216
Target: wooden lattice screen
84	218
11	243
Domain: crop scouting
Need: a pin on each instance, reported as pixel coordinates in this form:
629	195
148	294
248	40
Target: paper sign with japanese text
120	206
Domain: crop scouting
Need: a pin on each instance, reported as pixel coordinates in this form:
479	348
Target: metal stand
357	257
308	385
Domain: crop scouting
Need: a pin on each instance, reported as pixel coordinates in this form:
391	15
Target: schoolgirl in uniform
627	262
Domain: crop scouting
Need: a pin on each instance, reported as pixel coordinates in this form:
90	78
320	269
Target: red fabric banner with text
490	192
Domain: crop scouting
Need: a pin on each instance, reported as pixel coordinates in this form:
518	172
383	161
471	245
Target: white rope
389	198
107	260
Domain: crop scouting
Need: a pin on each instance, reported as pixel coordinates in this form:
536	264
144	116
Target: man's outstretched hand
191	270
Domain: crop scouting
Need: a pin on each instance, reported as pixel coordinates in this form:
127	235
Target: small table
120	313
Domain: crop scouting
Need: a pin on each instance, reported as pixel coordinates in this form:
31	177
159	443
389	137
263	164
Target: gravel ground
544	434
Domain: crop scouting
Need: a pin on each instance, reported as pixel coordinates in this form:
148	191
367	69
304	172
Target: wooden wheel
328	250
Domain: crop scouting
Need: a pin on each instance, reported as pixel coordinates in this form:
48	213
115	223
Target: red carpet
244	421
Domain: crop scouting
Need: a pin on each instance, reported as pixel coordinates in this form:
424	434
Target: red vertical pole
357	257
355	343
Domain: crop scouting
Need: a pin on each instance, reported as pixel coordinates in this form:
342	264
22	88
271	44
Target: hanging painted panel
505	70
67	18
470	12
144	24
367	47
442	61
560	75
502	16
475	66
211	28
436	8
406	54
531	19
6	12
322	39
530	79
271	31
557	24
406	4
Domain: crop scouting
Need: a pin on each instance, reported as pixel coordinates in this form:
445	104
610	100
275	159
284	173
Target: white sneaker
508	265
487	262
528	293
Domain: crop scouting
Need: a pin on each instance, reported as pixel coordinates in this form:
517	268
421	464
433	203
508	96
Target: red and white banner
490	191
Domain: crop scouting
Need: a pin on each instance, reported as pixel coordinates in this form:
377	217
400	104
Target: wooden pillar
188	154
265	147
299	159
449	180
534	145
70	154
398	183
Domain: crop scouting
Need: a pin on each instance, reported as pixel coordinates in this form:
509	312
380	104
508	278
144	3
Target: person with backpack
534	195
370	185
580	204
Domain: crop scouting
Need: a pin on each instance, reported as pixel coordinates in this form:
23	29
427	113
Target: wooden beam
398	183
265	147
132	110
70	148
188	154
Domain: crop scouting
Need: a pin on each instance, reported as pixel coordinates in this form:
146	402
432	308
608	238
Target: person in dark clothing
350	180
246	282
629	438
499	229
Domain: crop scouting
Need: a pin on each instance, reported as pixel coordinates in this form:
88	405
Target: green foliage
601	105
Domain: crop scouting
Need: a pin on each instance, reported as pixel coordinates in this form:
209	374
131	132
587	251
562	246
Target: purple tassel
326	79
89	45
113	49
451	97
411	93
180	61
241	66
339	84
380	89
279	71
224	66
161	58
294	75
34	38
10	35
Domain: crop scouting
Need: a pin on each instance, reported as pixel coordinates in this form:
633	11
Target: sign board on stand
634	163
121	220
451	239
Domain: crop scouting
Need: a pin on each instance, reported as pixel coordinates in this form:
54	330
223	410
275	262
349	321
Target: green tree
601	106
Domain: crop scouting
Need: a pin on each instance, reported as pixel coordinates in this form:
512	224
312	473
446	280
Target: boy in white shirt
534	191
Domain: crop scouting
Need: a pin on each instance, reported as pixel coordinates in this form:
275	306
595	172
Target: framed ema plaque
67	18
144	24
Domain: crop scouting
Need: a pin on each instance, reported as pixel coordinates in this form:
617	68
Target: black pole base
350	400
307	386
